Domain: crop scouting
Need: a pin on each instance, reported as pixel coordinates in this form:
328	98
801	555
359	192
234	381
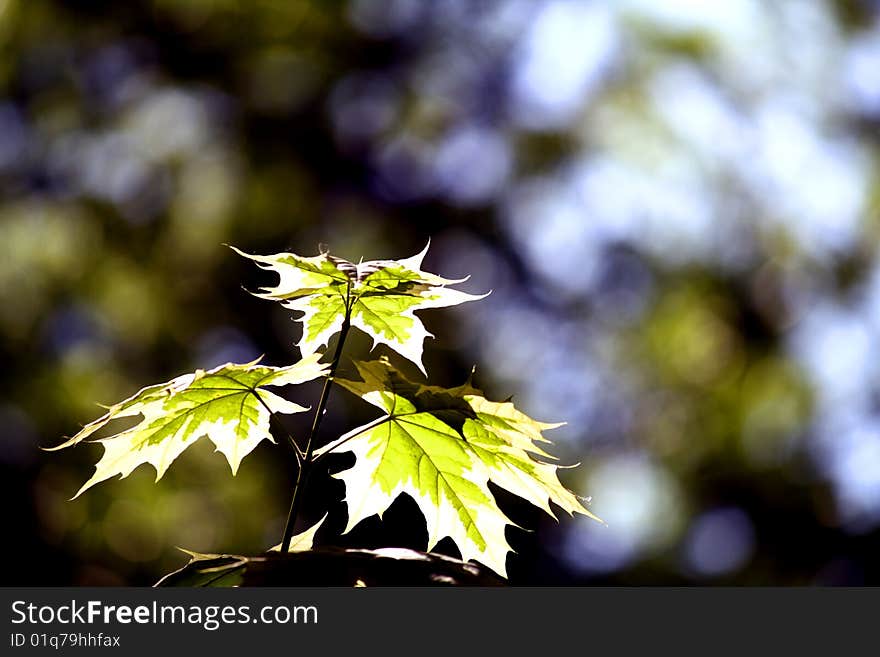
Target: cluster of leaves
441	446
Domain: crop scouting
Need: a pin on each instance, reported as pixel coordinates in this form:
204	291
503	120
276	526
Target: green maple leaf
380	295
229	404
442	447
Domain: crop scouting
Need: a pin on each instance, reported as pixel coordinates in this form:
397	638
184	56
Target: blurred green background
674	203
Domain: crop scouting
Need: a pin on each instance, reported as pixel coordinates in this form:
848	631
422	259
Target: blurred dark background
674	203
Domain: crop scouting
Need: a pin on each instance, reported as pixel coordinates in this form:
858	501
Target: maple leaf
442	447
381	297
228	404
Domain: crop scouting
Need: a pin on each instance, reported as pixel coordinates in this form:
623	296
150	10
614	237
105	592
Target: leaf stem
305	469
353	434
300	456
274	416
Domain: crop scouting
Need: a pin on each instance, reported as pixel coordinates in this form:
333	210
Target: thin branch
302	475
300	456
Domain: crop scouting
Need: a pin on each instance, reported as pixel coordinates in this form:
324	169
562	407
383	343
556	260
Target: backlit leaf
229	404
383	296
442	447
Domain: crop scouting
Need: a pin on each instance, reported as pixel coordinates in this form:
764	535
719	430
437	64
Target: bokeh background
674	202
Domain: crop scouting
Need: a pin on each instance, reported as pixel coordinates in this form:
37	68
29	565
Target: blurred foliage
674	203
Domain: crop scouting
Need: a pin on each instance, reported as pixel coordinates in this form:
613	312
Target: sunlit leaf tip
304	540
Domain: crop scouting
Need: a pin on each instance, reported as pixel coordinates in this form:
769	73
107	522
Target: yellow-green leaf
229	404
382	295
442	447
